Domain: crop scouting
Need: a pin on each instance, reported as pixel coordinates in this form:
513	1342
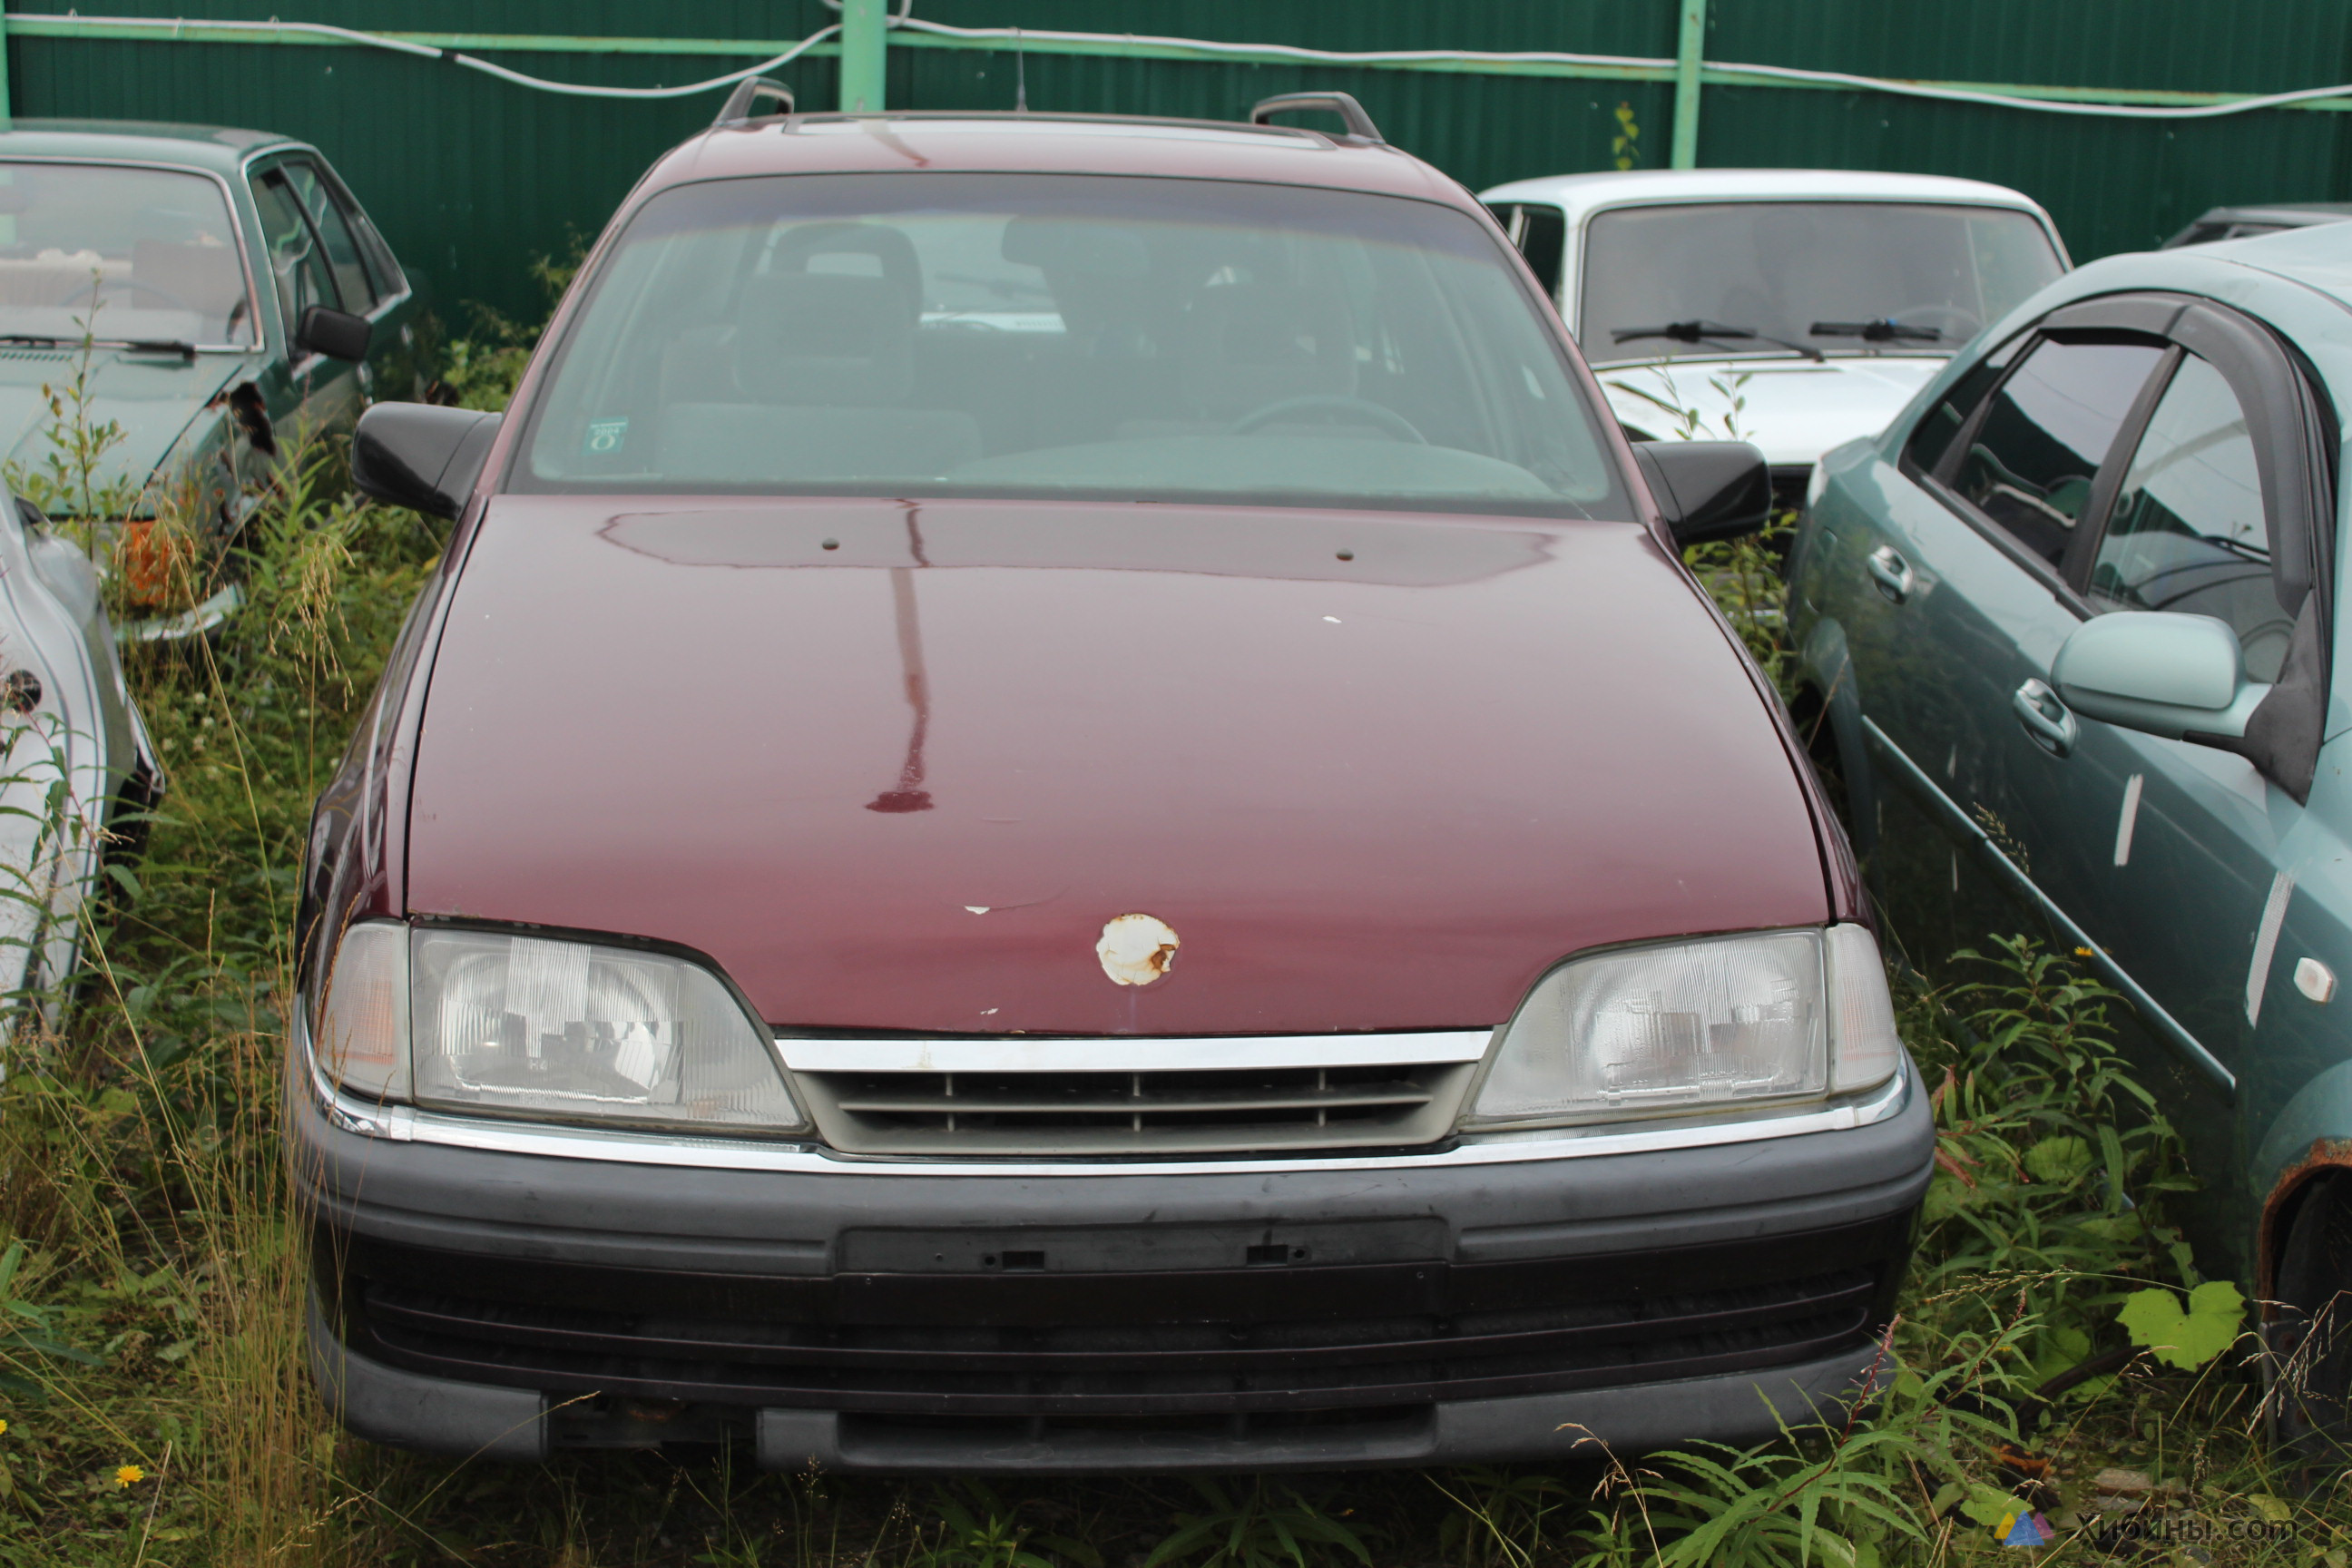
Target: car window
121	254
1540	232
1024	334
340	248
2029	466
294	261
2188	532
1932	437
1739	275
382	267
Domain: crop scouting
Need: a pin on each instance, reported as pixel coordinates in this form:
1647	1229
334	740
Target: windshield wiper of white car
185	350
1714	332
1881	331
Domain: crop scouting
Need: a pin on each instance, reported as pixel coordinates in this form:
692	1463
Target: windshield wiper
1881	331
1711	332
186	351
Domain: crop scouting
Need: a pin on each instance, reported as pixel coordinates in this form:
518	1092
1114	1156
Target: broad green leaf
2188	1339
2060	1160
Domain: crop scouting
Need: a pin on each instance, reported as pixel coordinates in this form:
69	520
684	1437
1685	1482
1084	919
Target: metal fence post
1690	47
863	36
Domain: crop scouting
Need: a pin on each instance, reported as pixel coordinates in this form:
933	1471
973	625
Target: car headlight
1718	1023
361	1031
491	1023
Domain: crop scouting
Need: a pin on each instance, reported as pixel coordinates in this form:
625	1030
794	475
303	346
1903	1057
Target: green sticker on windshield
605	436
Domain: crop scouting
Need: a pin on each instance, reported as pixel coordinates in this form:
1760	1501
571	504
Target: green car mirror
2178	676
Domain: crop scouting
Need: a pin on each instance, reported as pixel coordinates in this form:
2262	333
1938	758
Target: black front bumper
886	1318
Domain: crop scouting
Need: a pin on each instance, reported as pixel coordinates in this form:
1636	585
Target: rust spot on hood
1136	949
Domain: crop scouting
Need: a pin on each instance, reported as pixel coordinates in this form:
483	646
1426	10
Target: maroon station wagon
1062	805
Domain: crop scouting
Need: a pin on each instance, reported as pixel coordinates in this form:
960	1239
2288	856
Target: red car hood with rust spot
904	781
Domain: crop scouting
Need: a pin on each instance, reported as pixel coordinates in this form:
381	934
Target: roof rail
1359	124
742	104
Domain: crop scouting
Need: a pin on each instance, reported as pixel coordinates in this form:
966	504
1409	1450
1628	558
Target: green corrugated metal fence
469	176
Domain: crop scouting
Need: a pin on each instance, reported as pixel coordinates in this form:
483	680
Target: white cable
1280	51
2046	105
398	46
1789	73
576	90
1292	51
403	46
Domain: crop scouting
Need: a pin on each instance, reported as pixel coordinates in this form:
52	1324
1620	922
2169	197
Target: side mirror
338	334
1707	490
420	456
2181	677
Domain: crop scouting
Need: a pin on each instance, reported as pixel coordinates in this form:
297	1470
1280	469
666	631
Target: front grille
1140	1113
1186	1344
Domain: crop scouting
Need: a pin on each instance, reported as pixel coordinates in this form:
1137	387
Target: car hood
1794	411
896	767
150	398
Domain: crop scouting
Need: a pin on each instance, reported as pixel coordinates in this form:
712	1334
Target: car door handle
2050	721
1891	572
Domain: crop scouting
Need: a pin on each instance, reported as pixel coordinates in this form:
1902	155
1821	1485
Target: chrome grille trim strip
1213	1053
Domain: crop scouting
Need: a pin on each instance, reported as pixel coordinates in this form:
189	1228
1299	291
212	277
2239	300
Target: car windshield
119	254
1065	335
1709	279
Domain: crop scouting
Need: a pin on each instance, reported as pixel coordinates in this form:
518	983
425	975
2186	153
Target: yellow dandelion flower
128	1475
2082	953
3	1428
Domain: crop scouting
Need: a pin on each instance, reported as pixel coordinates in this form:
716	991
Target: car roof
2296	214
2317	256
216	147
2299	280
1582	194
1050	143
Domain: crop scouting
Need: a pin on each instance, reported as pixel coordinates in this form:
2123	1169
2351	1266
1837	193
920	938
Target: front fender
1824	666
2311	1135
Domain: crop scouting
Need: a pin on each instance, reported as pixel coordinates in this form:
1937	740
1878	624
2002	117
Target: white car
1795	307
75	758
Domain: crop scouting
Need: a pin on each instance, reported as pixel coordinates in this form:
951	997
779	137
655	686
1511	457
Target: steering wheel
1386	420
105	283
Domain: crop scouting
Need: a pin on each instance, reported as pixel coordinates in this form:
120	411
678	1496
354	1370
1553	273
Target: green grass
151	1271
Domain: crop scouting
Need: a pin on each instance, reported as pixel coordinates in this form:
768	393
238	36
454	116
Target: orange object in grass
154	561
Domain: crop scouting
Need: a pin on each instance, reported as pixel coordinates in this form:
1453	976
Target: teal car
223	291
2071	621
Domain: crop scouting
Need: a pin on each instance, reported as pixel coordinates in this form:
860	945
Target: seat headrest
893	253
826	338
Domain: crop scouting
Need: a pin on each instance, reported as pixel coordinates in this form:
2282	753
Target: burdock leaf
2060	1160
2188	1339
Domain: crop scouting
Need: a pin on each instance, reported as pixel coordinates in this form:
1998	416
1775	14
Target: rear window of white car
1065	335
